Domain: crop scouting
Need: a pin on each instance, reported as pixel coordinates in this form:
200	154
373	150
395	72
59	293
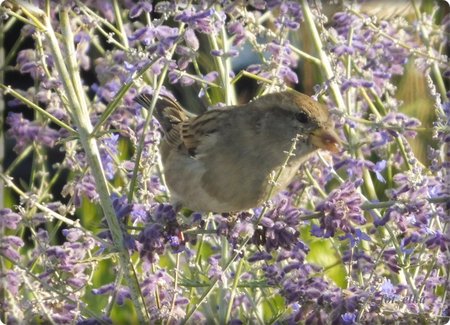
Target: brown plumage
222	160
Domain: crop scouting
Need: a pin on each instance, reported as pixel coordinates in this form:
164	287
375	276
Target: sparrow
224	160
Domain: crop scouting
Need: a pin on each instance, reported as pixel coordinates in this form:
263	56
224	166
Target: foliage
358	237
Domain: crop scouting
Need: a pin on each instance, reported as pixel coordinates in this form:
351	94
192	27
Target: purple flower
348	318
26	132
215	271
273	274
85	187
204	21
438	240
28	63
259	256
355	237
104	289
11	281
72	234
211	76
191	39
140	7
108	151
121	206
162	229
122	292
290	14
340	211
9	247
390	259
388	290
280	227
9	219
107	91
343	49
379	167
402	122
237	29
158	40
153	241
356	83
360	260
242	229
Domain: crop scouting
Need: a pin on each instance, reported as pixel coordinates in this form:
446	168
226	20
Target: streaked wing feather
195	131
182	132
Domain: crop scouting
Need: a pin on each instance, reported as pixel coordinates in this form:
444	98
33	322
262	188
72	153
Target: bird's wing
198	131
181	132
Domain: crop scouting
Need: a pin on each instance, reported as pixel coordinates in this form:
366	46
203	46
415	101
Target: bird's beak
326	139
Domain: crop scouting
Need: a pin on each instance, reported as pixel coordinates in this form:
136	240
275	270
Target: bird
225	160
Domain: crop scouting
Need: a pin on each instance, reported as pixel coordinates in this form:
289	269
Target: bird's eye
302	117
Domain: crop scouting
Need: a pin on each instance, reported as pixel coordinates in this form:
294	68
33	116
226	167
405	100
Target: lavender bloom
402	122
85	187
73	234
107	152
260	256
290	14
439	240
9	247
67	260
273	274
388	291
237	29
348	318
121	206
122	293
382	58
162	229
137	9
25	132
282	54
215	271
242	229
28	63
356	83
280	227
9	219
356	237
378	168
191	39
204	20
360	260
11	281
153	242
341	210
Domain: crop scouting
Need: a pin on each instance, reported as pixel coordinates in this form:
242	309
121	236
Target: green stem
75	93
175	288
237	275
323	56
118	15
